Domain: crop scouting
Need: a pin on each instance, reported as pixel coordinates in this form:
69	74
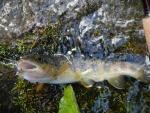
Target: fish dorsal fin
58	60
62	58
117	82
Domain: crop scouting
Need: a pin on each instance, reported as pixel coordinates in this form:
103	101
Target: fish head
26	66
30	70
40	69
30	64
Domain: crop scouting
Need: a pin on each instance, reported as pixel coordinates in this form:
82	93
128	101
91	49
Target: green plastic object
68	103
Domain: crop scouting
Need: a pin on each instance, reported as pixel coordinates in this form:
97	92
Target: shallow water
107	29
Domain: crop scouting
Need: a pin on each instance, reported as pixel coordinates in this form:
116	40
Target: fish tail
118	80
115	78
138	74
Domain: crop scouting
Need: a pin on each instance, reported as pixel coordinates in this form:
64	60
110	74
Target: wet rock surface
94	28
19	16
101	29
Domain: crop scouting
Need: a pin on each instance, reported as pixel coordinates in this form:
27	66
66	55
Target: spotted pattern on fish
60	70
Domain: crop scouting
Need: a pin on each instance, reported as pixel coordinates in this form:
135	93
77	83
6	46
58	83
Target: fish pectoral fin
61	57
62	69
141	76
85	78
117	82
87	83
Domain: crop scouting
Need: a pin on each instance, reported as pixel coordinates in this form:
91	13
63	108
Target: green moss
24	96
3	50
97	33
86	97
29	100
135	46
118	101
46	39
21	46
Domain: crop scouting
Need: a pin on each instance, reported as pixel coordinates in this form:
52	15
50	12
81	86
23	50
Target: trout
59	69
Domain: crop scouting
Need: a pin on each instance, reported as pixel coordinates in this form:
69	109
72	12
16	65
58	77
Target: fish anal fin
117	82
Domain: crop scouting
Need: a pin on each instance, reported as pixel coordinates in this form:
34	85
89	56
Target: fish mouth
25	65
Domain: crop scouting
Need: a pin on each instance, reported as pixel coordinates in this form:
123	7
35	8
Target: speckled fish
60	70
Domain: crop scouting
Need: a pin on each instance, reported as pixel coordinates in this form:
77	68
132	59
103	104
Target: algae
18	95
